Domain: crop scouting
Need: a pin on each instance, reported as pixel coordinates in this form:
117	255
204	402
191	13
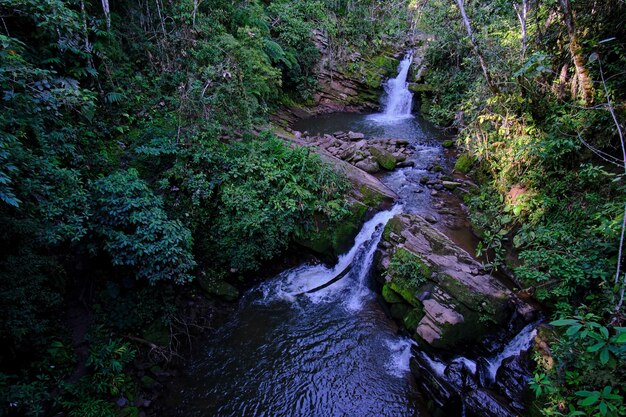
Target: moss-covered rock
390	295
387	64
447	143
421	88
400	310
464	163
333	241
412	319
384	159
393	225
459	301
406	266
450	185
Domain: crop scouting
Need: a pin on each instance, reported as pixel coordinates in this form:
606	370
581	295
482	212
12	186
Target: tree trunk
483	64
584	81
560	84
107	13
521	15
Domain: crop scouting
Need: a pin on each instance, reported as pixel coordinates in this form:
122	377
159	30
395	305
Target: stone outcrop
343	87
351	82
369	155
445	298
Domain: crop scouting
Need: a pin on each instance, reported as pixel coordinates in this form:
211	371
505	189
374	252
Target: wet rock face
512	379
459	302
484	403
456	391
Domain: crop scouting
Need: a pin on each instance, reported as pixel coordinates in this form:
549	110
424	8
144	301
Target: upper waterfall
397	100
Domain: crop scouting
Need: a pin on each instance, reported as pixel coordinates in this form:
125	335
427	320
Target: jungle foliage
132	160
537	92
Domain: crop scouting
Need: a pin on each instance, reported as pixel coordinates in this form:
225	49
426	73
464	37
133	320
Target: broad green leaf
604	356
596	347
573	329
590	400
564	322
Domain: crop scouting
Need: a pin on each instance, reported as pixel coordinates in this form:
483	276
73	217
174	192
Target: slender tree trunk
483	64
107	13
584	81
522	12
560	85
196	3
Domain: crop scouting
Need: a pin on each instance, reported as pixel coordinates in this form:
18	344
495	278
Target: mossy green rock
393	225
390	295
450	185
421	88
385	159
412	319
453	301
464	163
333	241
387	64
448	143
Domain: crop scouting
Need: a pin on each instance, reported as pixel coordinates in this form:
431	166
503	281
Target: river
332	352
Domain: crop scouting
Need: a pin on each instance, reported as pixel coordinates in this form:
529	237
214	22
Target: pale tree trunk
107	13
522	12
483	64
584	81
559	88
196	3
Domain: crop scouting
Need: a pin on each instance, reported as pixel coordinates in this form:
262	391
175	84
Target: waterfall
398	100
310	280
519	343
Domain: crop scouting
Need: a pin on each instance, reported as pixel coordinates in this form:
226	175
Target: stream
332	352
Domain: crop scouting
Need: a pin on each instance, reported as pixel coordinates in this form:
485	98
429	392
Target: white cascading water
519	343
352	289
398	100
307	277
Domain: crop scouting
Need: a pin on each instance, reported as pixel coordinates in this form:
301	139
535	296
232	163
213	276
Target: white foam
519	343
297	281
398	100
400	359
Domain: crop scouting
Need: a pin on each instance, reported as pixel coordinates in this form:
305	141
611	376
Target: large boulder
456	301
368	165
385	159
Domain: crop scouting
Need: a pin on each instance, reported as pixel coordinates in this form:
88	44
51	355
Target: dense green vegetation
133	165
537	91
138	173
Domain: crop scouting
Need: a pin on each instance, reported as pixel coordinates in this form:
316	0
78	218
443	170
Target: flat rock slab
457	300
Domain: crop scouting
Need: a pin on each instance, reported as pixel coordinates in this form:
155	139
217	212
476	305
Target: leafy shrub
136	230
108	360
590	378
270	194
408	268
